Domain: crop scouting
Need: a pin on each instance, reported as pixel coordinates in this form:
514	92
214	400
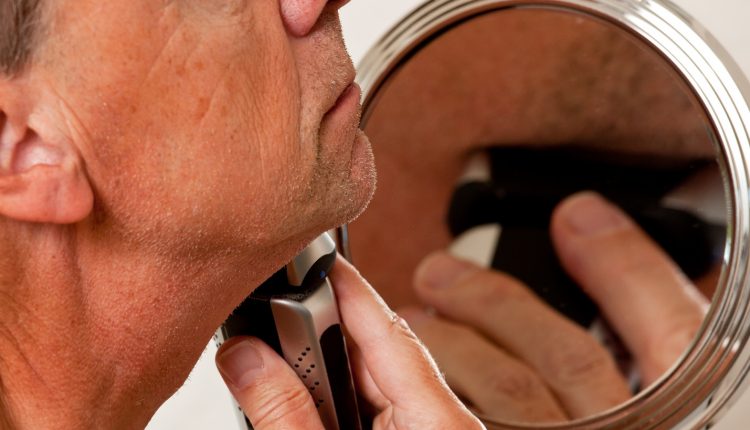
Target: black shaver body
519	188
295	313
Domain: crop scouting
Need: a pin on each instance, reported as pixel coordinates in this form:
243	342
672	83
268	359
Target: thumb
267	389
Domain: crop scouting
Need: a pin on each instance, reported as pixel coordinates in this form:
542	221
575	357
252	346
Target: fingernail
240	364
588	213
441	270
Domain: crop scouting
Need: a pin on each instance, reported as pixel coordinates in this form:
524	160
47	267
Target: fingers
366	386
267	389
642	293
581	374
495	384
397	362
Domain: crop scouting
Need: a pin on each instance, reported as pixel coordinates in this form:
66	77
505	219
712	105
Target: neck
99	337
35	344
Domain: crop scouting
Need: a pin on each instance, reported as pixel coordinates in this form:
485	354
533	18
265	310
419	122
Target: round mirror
588	154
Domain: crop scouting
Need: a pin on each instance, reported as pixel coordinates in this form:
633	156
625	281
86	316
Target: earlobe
40	180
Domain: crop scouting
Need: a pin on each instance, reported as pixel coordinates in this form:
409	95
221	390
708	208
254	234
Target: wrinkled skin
159	160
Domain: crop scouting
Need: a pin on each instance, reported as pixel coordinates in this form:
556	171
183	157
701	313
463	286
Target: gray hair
18	22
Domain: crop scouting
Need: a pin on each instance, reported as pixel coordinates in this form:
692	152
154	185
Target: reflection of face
204	123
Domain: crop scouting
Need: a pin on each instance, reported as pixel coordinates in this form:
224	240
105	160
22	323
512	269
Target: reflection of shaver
518	189
295	313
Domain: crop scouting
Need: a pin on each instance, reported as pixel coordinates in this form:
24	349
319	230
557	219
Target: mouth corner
352	90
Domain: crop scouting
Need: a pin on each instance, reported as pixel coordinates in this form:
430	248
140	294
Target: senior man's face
158	160
212	121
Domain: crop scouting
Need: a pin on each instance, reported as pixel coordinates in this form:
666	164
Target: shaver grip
295	313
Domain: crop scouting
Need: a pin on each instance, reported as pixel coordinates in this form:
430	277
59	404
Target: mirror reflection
550	215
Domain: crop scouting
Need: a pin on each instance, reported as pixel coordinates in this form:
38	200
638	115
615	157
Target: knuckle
638	266
623	254
400	328
281	407
638	259
489	289
398	331
668	344
519	384
579	362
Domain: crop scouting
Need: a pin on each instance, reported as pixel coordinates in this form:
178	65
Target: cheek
201	127
246	143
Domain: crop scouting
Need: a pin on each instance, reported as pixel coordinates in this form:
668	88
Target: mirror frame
713	371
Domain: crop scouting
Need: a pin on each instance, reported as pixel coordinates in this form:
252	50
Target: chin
339	194
363	181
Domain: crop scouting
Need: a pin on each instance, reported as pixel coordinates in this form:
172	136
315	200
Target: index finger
397	361
651	304
578	370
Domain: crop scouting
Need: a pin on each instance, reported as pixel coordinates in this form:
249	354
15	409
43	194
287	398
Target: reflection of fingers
574	365
496	384
645	296
393	354
269	392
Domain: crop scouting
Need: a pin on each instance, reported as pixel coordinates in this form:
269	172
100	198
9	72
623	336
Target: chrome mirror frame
712	372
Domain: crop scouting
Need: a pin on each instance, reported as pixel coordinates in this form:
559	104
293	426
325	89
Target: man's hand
514	358
393	370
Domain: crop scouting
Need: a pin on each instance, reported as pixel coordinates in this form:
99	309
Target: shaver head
313	264
301	276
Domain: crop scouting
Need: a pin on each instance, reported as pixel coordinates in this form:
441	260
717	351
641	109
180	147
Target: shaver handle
312	342
295	313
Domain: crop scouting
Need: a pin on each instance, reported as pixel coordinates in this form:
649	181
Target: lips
344	94
347	86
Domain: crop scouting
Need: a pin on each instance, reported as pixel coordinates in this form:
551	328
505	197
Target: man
160	160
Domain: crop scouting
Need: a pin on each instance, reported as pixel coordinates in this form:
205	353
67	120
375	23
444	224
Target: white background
204	402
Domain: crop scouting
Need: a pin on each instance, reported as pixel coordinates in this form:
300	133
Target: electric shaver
295	312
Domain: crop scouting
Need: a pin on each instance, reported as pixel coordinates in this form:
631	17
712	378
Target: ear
300	16
41	174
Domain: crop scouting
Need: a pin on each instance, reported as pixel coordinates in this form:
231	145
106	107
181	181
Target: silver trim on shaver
300	325
301	264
